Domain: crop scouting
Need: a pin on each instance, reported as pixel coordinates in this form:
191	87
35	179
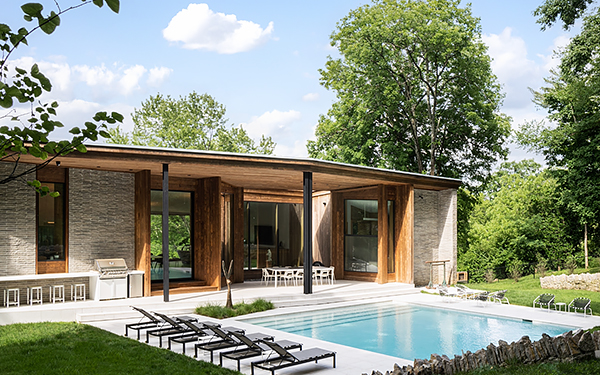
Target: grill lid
115	267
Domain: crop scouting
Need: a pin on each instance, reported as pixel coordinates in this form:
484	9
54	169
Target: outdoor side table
560	306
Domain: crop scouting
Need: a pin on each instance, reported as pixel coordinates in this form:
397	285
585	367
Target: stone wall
584	281
101	218
568	347
17	225
434	234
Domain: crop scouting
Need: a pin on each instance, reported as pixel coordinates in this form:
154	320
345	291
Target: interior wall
321	230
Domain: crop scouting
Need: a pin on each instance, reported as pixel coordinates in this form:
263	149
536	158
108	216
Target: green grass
527	288
72	348
242	308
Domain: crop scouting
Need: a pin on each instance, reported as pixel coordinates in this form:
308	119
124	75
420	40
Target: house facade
370	224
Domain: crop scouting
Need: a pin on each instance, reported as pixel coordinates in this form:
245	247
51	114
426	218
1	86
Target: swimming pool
407	331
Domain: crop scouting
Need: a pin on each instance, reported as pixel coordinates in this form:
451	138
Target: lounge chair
444	292
174	328
481	297
544	299
286	359
253	349
223	340
152	322
197	332
581	303
499	297
465	292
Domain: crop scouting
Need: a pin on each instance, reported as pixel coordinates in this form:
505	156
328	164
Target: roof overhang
260	172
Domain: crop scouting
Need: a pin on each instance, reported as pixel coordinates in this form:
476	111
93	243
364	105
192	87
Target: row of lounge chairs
233	343
547	300
477	295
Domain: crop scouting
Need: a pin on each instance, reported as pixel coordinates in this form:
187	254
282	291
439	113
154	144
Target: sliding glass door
180	236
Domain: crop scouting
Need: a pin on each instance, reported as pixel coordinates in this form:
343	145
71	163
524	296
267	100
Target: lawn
527	288
72	348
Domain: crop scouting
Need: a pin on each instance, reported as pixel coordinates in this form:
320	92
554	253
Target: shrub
242	308
515	269
489	275
542	266
571	264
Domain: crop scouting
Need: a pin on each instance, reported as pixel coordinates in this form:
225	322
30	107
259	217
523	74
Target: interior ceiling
247	171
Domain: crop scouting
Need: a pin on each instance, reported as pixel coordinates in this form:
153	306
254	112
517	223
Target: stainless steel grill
112	268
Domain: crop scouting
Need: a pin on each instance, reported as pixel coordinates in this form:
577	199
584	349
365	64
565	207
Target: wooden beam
207	233
382	235
404	226
142	227
238	235
337	234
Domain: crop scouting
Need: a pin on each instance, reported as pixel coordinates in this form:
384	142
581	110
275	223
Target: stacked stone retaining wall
583	281
568	347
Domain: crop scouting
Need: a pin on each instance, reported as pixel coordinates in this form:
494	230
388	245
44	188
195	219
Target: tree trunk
585	249
229	303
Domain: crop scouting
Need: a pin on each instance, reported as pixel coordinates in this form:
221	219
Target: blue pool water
407	331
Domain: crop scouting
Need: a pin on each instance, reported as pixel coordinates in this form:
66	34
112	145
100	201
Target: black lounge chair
499	297
152	322
544	300
287	359
253	349
174	328
225	341
581	303
197	332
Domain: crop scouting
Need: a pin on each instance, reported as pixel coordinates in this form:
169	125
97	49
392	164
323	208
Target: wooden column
207	234
142	227
382	235
337	234
238	235
404	225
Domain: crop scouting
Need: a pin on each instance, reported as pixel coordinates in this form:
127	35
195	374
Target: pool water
407	331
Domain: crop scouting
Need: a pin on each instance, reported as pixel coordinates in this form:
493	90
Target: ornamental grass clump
242	308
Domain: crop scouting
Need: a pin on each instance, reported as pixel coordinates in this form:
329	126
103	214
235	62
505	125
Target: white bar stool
34	295
14	300
57	293
78	292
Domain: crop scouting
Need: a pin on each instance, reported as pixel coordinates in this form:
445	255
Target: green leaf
54	194
117	116
81	148
6	101
99	3
32	9
75	130
47	26
113	5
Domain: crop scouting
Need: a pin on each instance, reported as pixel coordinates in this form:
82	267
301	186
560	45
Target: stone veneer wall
435	234
584	281
101	218
17	226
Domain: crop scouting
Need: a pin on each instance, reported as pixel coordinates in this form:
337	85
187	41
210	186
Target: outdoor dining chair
544	300
581	303
267	275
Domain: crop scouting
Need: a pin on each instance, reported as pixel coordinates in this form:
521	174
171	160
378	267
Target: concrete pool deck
113	315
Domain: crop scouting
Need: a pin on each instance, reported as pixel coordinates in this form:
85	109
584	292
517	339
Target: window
360	236
51	224
272	234
180	235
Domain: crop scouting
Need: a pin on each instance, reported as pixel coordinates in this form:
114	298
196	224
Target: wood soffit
247	171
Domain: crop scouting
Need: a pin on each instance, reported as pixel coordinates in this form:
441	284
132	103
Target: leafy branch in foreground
31	135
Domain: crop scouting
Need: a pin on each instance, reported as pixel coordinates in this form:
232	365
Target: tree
571	144
518	219
32	135
191	122
415	92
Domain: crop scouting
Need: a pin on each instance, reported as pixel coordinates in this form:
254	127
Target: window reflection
51	224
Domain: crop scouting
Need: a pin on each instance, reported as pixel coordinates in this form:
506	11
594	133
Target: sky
260	59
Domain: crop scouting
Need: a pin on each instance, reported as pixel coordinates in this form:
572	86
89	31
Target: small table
561	306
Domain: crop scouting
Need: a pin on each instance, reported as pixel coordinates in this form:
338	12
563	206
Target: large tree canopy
32	132
191	122
415	91
571	144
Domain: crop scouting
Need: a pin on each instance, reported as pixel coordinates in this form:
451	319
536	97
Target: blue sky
258	58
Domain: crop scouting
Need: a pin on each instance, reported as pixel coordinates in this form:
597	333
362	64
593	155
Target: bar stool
57	293
34	295
15	300
78	292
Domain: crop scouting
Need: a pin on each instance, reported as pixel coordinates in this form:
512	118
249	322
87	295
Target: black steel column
307	199
165	230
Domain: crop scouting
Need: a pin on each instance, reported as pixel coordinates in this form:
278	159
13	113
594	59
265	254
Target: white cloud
198	27
95	75
158	75
131	79
273	123
311	97
552	60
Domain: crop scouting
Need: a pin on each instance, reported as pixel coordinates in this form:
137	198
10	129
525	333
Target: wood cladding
142	227
55	266
238	235
382	235
207	231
